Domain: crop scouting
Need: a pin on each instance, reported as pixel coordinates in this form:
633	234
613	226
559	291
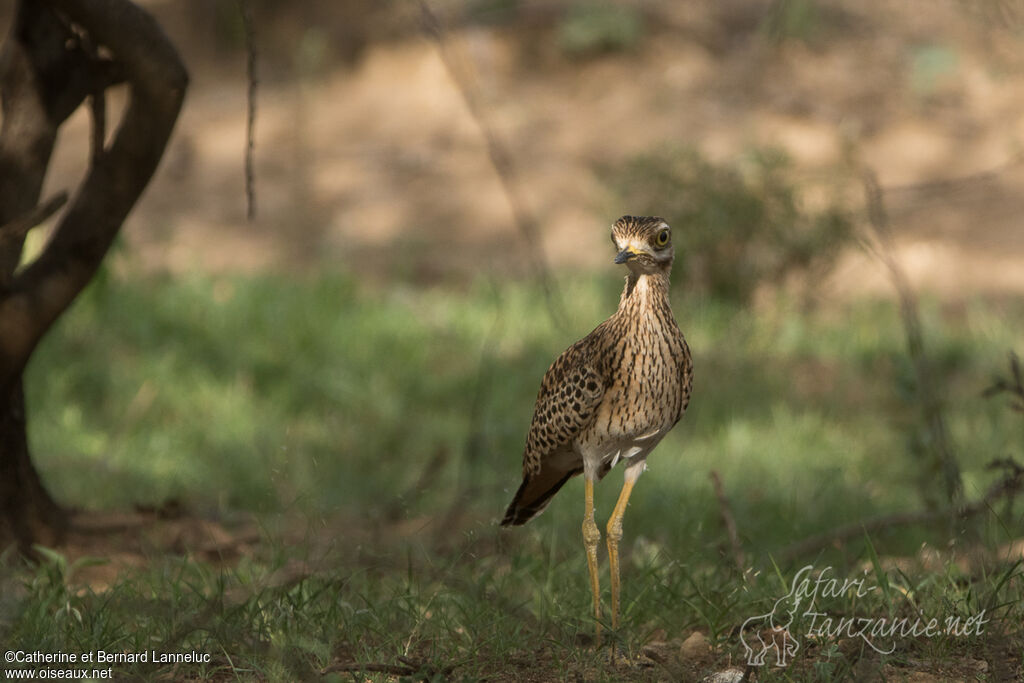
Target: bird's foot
618	653
620	658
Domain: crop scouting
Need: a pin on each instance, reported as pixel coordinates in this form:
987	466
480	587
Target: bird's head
644	243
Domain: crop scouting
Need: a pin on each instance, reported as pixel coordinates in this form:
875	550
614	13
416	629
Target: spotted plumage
610	397
616	392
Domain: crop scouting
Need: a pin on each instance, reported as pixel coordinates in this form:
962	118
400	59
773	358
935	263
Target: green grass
376	437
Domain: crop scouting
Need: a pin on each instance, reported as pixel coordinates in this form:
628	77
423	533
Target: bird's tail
535	493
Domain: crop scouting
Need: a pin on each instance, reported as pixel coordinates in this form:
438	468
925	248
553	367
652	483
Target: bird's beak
626	254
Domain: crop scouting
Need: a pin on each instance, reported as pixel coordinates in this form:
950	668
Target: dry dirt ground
378	167
129	541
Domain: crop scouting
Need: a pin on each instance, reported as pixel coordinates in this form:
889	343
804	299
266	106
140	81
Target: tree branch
501	159
28	80
248	23
17	229
115	180
932	411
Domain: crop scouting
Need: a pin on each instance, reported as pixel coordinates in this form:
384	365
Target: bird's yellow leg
591	536
615	534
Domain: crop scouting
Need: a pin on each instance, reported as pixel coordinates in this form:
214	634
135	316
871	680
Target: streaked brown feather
631	375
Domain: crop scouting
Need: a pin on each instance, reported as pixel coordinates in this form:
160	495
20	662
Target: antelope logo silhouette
778	622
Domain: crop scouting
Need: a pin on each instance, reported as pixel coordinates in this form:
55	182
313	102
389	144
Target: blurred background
369	159
356	366
381	326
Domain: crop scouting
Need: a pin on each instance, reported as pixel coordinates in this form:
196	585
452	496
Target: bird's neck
643	290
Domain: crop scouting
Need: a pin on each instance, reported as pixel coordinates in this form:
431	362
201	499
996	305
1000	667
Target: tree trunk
28	512
49	65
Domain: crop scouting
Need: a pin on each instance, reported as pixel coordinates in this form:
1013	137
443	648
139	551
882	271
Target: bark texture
50	64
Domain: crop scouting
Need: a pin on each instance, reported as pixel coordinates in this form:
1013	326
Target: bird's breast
641	402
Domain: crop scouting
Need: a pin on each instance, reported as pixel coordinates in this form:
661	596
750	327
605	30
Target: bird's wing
566	403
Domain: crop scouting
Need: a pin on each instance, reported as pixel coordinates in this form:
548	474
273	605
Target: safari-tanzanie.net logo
774	638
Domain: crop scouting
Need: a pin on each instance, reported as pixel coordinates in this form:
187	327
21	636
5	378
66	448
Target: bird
610	398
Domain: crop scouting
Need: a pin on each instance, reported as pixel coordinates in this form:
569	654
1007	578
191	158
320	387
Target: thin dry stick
1013	386
1009	486
460	72
426	481
931	405
372	667
245	6
727	518
408	668
946	186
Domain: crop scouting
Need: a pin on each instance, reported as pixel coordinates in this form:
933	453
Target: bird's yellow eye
662	238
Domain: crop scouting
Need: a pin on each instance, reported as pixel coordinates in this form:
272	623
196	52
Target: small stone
657	651
979	665
695	646
727	676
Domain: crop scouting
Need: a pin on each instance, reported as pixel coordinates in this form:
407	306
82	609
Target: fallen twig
407	668
372	667
1010	485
